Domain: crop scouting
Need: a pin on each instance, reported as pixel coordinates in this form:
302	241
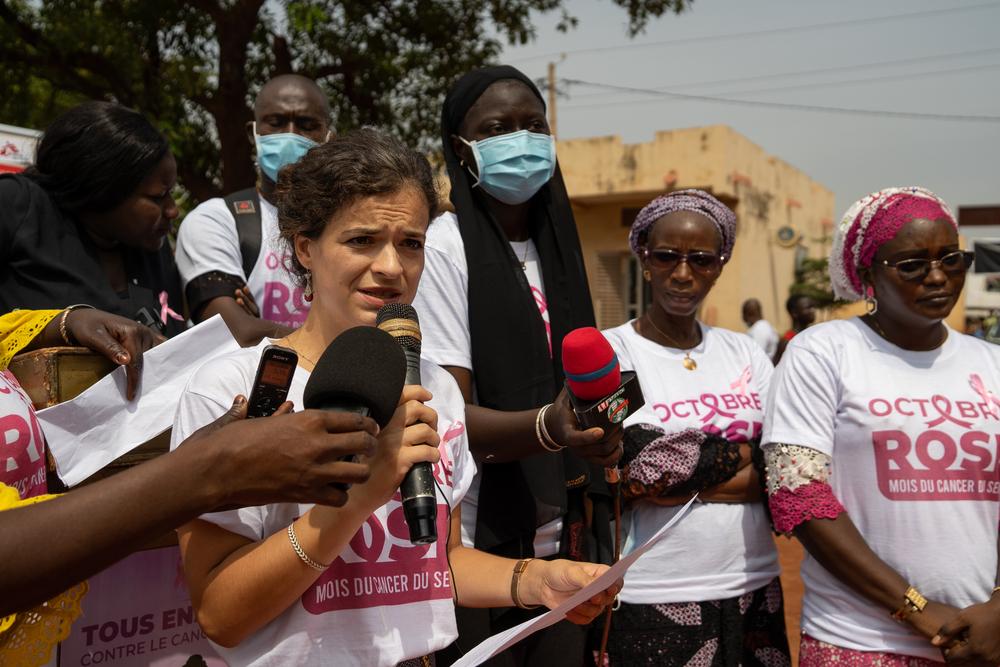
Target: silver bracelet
302	554
542	433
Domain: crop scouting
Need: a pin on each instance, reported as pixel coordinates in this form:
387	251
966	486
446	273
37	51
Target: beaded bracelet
301	553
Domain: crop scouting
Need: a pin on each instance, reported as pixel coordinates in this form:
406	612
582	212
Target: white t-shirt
207	241
766	337
913	437
384	599
442	303
721	550
22	446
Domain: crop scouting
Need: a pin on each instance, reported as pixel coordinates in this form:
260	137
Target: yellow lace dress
27	638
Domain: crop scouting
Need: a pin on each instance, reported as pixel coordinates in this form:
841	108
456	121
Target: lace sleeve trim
19	328
28	637
790	508
792	466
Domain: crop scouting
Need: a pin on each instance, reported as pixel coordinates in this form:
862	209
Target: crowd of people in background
874	440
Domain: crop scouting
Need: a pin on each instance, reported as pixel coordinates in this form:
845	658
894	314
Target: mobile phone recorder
274	377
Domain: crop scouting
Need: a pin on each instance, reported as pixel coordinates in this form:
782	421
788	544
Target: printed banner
138	613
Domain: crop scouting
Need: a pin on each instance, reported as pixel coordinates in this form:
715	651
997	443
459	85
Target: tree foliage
193	67
812	279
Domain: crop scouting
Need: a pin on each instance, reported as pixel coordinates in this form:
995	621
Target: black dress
47	261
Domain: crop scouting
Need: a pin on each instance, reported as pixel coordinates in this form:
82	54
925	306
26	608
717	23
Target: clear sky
933	58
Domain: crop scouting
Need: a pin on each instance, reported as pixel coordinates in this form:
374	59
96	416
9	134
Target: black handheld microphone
339	383
399	320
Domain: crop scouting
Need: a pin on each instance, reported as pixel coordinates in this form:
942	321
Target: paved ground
790	555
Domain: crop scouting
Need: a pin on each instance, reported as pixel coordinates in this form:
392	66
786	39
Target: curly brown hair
355	165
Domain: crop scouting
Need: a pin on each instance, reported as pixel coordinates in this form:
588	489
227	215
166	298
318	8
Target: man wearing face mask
231	243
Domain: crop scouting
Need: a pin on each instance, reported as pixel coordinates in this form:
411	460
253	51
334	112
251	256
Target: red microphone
601	394
590	364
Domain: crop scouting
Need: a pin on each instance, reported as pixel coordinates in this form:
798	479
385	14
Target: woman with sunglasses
708	593
881	451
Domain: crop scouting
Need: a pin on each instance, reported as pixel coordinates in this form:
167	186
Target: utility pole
552	100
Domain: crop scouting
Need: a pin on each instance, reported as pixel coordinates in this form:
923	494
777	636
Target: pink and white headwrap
698	201
872	221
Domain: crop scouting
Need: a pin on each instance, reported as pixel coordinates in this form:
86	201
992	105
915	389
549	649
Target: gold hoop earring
646	275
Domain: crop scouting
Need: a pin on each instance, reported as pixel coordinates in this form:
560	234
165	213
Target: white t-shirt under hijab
383	600
720	550
913	440
208	241
442	303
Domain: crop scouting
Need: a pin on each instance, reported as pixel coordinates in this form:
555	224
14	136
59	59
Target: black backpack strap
245	207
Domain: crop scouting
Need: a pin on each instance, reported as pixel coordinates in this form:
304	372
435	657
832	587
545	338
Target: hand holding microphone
597	398
417	489
408	432
596	445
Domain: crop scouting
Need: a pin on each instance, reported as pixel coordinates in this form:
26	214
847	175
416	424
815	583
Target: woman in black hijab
503	283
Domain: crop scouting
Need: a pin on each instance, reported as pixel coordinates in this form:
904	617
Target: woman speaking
295	584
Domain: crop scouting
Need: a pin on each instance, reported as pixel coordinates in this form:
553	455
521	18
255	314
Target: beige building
783	214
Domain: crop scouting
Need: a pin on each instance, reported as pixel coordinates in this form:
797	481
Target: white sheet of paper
92	430
504	640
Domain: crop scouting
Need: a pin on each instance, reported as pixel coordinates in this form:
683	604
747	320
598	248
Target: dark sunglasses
668	260
955	263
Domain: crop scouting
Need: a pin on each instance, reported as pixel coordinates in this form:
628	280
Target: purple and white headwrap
698	201
872	221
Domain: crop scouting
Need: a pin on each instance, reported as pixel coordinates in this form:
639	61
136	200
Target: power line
786	105
758	33
874	79
810	72
803	86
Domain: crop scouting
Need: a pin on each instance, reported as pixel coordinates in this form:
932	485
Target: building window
638	294
619	292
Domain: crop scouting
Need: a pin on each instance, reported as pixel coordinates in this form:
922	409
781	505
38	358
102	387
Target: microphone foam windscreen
590	364
400	321
362	366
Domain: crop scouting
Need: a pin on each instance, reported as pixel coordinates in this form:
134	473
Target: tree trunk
234	28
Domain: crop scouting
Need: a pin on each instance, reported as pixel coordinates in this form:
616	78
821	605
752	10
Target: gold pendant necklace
687	361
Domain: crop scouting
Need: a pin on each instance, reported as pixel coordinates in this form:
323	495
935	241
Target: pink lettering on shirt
719	414
380	567
543	309
951	458
22	447
283	305
935	465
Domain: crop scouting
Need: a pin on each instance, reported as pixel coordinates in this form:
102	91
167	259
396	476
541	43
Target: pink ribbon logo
711	401
943	407
989	398
166	310
742	384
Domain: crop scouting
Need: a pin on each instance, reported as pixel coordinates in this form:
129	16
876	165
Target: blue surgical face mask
513	167
275	151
